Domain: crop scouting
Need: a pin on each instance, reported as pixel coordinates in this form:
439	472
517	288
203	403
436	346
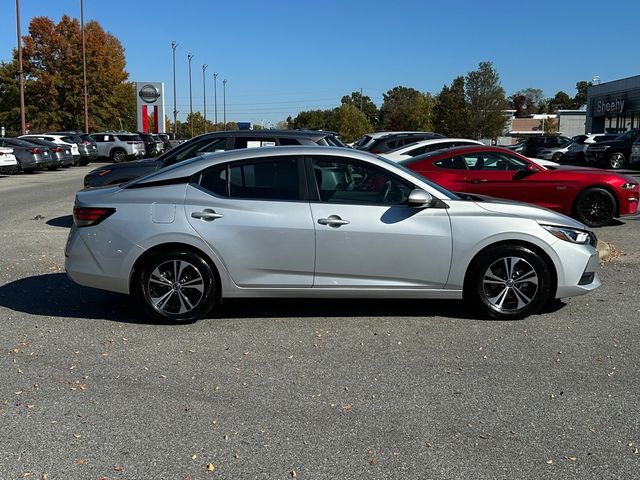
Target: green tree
451	113
420	115
351	123
315	119
364	104
395	112
560	101
9	99
487	102
528	101
580	100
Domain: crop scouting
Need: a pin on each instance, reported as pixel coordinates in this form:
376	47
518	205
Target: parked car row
604	149
50	150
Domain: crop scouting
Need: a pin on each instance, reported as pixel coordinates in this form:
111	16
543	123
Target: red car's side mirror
532	168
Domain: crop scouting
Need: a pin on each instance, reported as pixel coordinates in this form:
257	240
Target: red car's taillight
35	151
88	216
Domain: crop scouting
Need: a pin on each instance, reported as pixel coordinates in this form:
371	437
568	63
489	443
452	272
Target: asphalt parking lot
89	389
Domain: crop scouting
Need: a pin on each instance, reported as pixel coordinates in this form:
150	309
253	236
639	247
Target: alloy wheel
596	207
176	287
510	284
616	160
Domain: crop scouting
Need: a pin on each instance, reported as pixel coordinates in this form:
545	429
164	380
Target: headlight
628	186
572	235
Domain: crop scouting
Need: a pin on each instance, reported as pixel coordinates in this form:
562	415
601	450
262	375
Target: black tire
507	282
175	287
118	155
84	163
617	160
595	207
557	157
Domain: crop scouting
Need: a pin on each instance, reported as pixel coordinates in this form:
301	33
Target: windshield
433	185
629	135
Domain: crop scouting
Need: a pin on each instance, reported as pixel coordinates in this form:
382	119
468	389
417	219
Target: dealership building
613	107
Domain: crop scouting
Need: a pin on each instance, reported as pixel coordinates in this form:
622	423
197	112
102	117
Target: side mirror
418	198
531	168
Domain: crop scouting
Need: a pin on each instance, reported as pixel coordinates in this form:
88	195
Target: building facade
614	107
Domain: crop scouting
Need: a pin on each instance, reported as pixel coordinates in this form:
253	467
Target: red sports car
593	196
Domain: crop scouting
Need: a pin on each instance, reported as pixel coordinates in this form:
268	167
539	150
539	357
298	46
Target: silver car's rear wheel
175	286
508	282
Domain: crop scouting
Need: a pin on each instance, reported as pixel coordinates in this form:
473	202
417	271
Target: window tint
254	142
196	148
454	163
268	180
348	181
68	139
129	138
289	141
215	180
493	161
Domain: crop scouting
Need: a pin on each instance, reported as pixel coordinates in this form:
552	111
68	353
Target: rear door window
255	142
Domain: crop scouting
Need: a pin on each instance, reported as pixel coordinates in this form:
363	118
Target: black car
577	149
209	142
150	149
167	141
391	141
530	146
612	153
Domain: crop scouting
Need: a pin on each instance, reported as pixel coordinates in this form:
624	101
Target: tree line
472	106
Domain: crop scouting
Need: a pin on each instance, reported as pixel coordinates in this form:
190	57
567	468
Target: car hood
521	209
147	162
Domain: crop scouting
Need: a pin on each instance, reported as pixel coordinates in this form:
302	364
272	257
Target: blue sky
284	56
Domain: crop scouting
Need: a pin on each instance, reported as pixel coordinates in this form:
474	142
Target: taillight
84	142
102	173
56	149
88	216
35	151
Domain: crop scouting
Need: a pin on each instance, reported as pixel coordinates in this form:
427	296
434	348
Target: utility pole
84	71
204	96
361	99
215	101
175	112
224	102
23	122
189	57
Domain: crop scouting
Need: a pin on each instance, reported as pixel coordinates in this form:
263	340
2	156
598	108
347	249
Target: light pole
215	101
189	57
84	70
204	96
23	122
175	112
224	102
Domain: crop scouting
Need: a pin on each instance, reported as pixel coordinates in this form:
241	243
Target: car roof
459	151
318	134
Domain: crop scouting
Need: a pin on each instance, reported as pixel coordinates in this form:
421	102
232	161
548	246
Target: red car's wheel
595	207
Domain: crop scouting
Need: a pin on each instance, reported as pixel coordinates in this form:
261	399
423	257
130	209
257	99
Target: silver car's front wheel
175	286
508	282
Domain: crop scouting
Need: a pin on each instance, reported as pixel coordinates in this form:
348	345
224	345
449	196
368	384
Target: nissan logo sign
149	93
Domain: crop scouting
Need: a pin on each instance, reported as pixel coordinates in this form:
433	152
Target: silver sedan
319	222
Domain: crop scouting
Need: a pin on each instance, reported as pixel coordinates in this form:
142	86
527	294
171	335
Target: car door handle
207	214
478	180
333	221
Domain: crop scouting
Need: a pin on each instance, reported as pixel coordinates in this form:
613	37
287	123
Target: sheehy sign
608	106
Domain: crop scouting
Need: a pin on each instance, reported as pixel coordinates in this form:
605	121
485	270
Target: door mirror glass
420	198
532	168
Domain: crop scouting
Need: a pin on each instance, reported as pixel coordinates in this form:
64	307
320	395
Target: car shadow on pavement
66	221
55	295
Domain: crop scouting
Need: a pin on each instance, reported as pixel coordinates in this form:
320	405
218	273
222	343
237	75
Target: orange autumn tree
52	57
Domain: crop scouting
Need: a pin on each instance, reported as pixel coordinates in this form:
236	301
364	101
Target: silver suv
119	146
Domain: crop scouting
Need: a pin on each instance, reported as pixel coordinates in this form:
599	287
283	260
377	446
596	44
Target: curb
604	250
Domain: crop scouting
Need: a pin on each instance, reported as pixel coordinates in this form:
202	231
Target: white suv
119	146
